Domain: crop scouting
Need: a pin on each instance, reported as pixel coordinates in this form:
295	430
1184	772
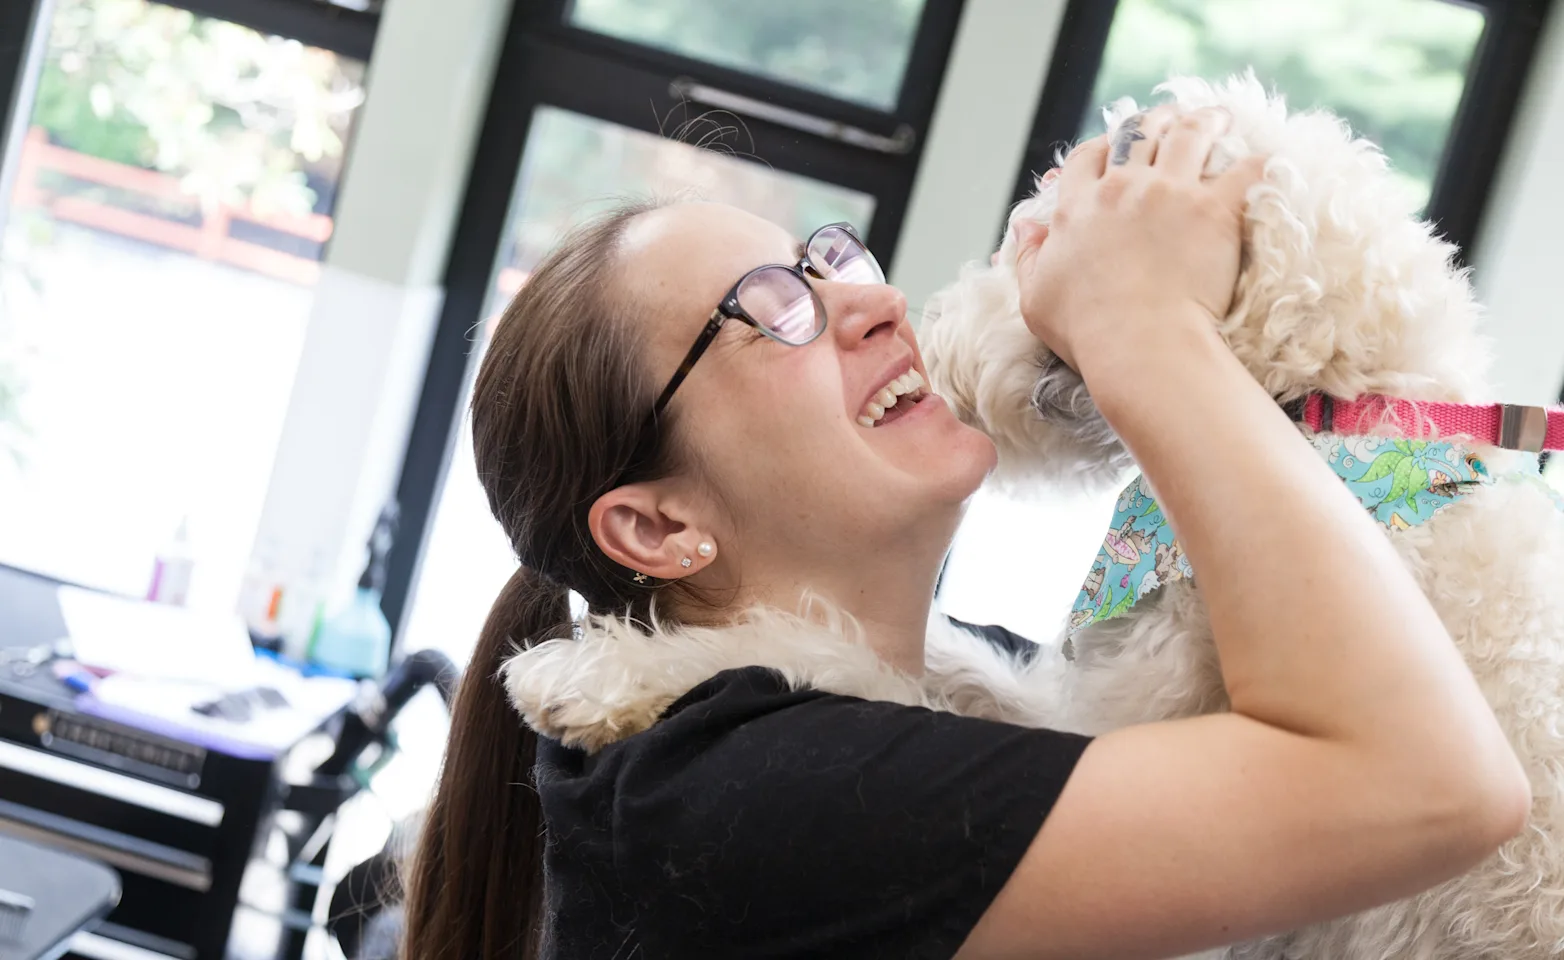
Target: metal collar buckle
1522	428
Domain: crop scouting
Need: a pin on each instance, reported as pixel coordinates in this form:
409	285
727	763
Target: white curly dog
1343	293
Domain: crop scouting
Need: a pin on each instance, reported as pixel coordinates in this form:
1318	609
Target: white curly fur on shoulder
1342	290
617	677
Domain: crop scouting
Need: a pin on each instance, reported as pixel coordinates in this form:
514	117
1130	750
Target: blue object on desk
75	677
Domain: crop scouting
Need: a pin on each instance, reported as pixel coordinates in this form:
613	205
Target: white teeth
909	382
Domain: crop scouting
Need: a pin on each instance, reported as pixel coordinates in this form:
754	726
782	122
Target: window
578	165
819	112
1433	82
1394	69
171	198
852	51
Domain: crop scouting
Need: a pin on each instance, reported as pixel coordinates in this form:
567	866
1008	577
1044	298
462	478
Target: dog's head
1342	289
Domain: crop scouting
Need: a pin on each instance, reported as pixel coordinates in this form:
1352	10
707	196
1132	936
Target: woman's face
773	430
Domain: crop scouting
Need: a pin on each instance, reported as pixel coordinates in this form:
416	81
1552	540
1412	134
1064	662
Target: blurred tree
1394	69
854	51
237	114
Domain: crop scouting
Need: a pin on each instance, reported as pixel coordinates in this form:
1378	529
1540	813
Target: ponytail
475	883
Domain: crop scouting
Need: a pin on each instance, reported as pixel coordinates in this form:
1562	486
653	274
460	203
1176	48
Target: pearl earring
705	549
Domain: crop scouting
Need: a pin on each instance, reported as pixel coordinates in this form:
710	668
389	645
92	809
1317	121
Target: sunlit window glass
1394	69
852	51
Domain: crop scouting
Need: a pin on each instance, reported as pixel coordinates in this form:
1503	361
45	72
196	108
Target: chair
47	897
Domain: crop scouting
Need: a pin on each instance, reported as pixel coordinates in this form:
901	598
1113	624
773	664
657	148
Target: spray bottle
356	641
172	570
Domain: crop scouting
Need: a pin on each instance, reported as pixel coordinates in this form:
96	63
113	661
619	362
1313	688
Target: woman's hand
1137	238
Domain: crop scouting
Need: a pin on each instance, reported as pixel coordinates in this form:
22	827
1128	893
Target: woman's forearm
1320	628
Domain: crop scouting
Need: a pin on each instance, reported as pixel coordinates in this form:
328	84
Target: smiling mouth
894	400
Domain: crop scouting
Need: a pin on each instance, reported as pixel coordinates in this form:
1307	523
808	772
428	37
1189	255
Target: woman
712	791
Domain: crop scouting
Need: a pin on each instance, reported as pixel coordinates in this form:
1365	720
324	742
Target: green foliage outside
1394	69
237	114
851	49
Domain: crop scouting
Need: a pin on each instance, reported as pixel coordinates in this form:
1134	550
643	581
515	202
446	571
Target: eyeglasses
777	300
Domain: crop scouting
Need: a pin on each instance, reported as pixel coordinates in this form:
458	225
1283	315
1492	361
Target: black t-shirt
755	821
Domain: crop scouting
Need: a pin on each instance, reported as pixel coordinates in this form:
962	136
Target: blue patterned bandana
1401	483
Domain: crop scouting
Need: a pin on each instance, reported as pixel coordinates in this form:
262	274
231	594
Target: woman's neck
889	594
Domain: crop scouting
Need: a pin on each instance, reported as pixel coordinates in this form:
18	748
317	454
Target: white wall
1520	254
976	140
379	298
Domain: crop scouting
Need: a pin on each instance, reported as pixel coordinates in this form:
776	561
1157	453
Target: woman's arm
1360	763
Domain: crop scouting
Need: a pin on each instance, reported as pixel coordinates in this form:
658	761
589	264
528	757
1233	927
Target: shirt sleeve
763	822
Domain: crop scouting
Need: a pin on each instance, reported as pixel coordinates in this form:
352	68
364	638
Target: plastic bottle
356	641
173	568
260	599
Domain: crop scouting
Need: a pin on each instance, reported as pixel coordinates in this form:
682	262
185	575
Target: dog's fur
1342	290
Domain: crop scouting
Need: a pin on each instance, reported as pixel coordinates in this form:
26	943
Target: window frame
16	20
1479	131
545	61
314	23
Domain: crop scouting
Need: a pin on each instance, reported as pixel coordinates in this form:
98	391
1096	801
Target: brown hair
557	411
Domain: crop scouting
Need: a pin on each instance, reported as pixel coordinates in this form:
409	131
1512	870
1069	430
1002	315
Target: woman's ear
638	526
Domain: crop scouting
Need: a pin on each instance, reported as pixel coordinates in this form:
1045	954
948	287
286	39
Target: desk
66	895
176	815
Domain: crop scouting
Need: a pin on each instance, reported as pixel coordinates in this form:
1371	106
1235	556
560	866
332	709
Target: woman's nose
859	311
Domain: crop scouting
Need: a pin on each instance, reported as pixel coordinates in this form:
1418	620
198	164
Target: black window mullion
926	62
1480	130
16	24
670	65
311	22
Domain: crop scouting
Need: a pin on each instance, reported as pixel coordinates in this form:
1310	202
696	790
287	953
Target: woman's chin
946	459
958	466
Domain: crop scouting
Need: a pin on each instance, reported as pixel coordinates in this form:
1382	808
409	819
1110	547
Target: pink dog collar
1507	425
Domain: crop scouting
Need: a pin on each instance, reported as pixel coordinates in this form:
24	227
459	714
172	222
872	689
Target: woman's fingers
1188	142
1085	162
1138	137
1234	183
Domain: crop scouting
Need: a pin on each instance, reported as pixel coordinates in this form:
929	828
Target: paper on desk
157	640
310	702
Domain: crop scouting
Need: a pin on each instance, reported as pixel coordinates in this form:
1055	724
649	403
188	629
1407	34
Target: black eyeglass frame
729	308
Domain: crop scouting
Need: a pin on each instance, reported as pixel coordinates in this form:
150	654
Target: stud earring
705	549
685	563
639	578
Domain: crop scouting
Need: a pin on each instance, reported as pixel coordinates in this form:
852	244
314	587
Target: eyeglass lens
779	299
840	256
784	302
